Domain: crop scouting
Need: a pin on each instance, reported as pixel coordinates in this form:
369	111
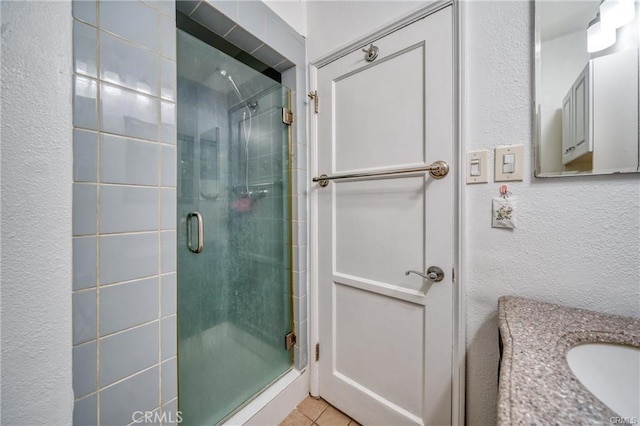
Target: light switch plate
477	160
500	169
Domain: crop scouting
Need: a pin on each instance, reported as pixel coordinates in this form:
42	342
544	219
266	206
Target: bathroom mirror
586	87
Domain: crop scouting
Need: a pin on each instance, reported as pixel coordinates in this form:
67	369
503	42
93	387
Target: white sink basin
611	372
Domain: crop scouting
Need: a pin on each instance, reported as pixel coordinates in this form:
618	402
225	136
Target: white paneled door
386	337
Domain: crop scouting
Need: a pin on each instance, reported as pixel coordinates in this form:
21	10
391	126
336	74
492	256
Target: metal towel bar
437	170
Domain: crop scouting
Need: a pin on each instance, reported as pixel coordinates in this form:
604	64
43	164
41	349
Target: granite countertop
536	384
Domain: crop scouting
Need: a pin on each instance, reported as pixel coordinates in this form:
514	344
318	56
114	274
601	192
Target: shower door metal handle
200	246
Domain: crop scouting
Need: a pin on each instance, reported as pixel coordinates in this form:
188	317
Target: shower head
253	106
226	75
222	72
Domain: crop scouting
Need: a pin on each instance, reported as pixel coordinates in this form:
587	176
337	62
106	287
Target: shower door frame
275	403
459	312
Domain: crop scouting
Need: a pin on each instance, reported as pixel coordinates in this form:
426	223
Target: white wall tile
85	10
169	337
85	38
84	316
128	161
127	257
126	305
128	65
119	403
128	113
167	30
85	113
126	353
169	371
132	20
168	251
84	369
169	166
85	199
252	18
169	294
228	7
168	213
213	19
128	208
168	131
85	156
168	79
85	411
84	262
132	35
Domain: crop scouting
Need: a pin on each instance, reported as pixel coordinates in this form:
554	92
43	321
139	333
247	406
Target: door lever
433	274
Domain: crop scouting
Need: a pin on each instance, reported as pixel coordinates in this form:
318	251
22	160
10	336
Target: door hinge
289	340
314	95
317	351
287	116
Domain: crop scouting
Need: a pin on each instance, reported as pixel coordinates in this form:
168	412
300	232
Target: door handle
433	274
200	222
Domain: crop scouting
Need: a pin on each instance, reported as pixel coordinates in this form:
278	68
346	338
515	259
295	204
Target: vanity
537	385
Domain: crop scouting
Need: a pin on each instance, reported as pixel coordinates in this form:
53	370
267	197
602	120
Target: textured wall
578	239
36	207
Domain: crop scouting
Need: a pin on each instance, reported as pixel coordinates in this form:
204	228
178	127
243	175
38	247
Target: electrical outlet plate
477	163
509	163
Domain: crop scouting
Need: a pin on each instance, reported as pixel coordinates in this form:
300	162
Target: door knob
433	274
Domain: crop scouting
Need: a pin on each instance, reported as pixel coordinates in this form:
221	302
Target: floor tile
312	407
332	417
296	418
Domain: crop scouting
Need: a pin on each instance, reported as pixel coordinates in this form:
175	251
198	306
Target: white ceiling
558	18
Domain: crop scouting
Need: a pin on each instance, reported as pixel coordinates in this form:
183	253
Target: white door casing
386	338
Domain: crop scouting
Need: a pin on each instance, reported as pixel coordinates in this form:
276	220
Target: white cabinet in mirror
586	103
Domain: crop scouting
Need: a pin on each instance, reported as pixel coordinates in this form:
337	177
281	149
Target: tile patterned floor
318	412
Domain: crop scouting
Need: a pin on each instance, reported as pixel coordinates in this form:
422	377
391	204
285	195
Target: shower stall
234	232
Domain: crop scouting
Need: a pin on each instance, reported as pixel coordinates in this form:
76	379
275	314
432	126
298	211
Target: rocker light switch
509	163
477	167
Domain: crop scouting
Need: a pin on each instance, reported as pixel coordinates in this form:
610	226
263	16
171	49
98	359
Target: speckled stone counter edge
536	384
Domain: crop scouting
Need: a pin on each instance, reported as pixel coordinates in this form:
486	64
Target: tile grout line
99	145
159	212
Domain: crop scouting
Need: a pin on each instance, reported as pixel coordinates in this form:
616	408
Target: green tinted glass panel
234	297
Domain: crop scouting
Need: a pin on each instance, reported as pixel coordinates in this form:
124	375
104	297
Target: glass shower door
234	233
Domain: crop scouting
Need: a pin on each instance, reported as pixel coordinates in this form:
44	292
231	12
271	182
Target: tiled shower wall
124	249
124	236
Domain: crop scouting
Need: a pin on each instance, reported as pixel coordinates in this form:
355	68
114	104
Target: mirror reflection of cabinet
577	137
600	114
